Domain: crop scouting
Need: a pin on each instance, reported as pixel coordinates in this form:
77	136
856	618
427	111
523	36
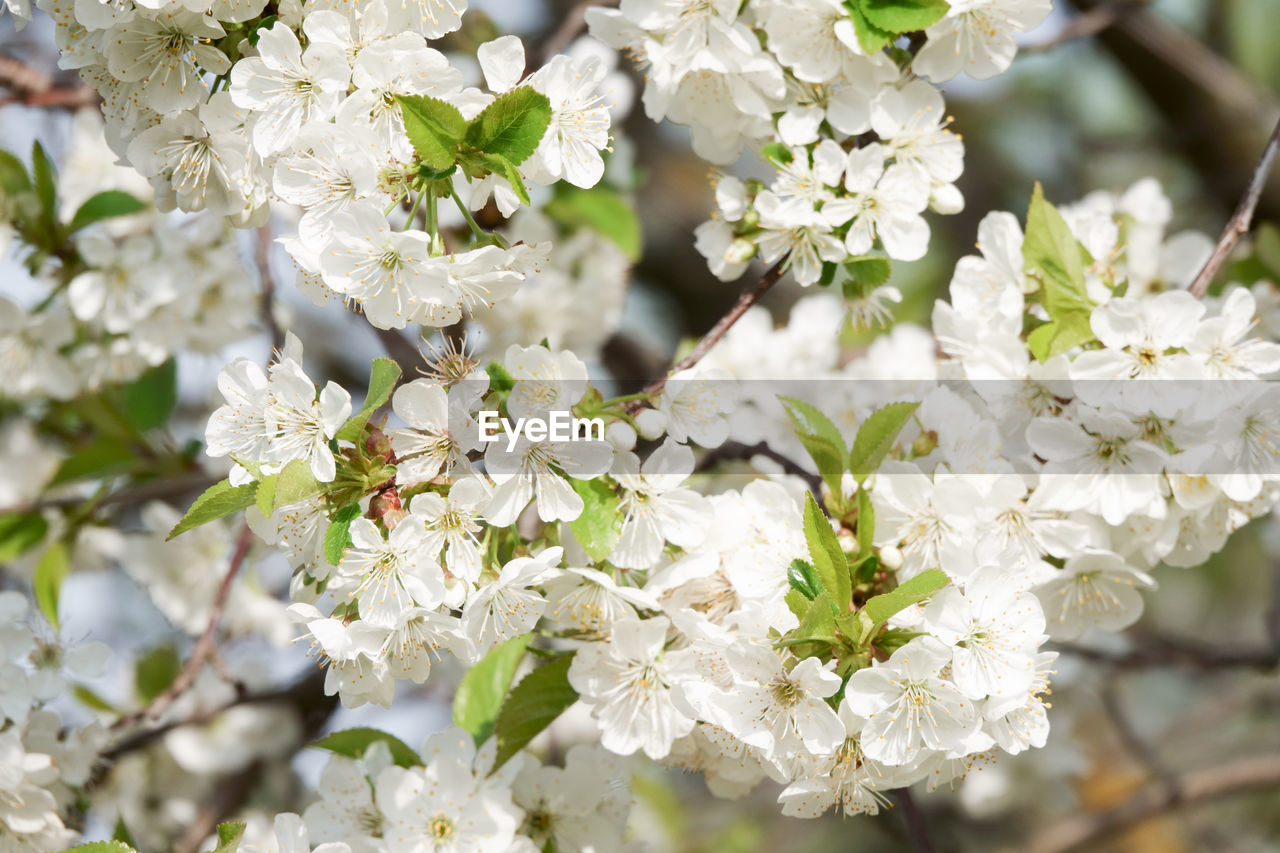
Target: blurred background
1101	95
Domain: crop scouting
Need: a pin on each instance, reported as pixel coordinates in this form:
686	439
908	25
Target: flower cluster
124	294
858	137
229	107
41	761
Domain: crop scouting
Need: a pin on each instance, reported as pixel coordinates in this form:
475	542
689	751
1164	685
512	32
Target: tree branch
737	450
1240	221
917	826
1190	788
749	297
262	259
34	88
167	487
204	647
1166	652
571	26
1087	24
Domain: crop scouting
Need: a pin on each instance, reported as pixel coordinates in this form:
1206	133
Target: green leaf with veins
512	126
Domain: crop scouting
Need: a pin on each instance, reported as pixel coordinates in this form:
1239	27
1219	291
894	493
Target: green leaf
904	16
873	39
155	671
866	523
817	626
920	587
51	571
45	174
864	275
20	533
122	833
599	526
354	742
499	379
500	165
804	579
829	561
295	483
105	205
89	698
99	458
265	497
229	836
1051	253
101	847
1071	329
602	210
337	537
533	704
512	126
219	500
150	399
777	154
383	376
479	697
820	438
434	128
797	603
13	176
876	437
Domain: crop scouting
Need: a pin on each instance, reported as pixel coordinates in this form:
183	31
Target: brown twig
1190	788
917	826
1087	24
262	258
571	26
749	297
399	349
34	88
204	647
167	487
1239	223
737	450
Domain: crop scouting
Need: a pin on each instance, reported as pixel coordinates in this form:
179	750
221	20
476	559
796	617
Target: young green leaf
479	697
820	438
101	847
777	154
107	204
1071	329
807	418
101	457
873	39
219	500
876	437
295	483
817	626
155	671
20	533
337	536
150	399
434	128
45	174
13	176
920	587
1051	253
383	376
512	126
265	497
354	742
499	379
903	16
599	526
229	836
91	699
51	571
603	211
500	165
802	578
866	523
533	704
864	275
828	559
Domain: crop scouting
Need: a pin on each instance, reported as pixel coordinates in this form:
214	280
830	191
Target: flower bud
620	435
651	423
890	558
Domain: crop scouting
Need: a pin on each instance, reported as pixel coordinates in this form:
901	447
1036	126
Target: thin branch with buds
204	648
1240	221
